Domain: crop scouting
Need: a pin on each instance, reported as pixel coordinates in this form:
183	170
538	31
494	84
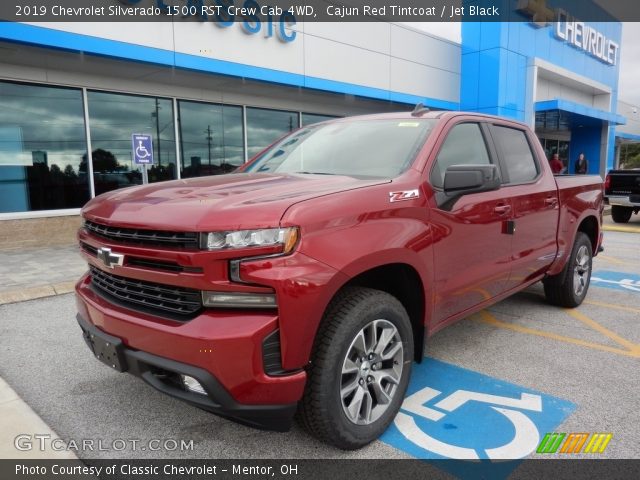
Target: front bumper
222	350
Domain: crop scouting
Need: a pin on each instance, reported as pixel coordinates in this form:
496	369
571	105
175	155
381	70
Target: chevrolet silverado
309	279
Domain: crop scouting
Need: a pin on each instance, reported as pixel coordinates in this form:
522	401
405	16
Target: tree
104	161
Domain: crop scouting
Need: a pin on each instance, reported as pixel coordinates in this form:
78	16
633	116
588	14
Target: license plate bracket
106	348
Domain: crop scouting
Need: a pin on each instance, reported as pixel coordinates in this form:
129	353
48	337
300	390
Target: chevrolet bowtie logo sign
109	258
537	10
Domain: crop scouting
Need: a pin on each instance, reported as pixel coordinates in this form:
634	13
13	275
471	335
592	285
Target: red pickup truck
309	280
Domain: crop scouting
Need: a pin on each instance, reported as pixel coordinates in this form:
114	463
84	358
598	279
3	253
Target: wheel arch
591	228
402	281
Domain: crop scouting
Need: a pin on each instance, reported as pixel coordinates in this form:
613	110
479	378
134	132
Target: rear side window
516	153
464	145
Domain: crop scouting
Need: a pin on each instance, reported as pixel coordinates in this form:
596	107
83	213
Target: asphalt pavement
589	357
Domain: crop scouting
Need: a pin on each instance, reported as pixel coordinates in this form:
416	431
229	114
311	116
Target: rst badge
109	258
403	195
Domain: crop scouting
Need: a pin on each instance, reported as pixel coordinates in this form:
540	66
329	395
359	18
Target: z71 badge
403	195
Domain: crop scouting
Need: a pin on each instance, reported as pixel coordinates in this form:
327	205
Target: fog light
238	300
192	385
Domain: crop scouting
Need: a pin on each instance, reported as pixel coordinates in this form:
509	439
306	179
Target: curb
615	228
32	293
17	418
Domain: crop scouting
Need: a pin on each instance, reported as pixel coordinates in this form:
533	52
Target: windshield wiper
315	173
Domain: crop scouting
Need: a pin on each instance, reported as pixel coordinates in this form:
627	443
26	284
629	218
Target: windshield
359	148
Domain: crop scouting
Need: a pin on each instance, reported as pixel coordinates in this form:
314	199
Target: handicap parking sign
453	413
142	146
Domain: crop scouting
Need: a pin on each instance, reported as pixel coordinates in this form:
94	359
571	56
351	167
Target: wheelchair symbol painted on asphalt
616	280
453	413
525	440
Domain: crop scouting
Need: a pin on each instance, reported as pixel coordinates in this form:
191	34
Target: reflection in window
516	151
211	138
311	118
42	146
464	145
113	119
265	126
365	148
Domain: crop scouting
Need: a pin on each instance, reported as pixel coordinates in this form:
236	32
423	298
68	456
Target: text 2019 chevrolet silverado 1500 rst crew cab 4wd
309	280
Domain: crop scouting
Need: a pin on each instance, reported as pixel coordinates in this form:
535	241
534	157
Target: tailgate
624	182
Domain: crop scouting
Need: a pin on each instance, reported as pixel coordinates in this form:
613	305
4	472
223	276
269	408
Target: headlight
287	237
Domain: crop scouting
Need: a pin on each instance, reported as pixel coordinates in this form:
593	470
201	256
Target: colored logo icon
574	442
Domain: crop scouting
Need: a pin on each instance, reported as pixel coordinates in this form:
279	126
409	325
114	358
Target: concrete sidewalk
39	272
25	275
17	419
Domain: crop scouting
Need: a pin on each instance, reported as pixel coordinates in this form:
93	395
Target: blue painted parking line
628	282
451	412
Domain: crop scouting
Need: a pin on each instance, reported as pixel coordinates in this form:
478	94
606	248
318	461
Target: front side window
361	148
114	118
464	145
518	159
43	148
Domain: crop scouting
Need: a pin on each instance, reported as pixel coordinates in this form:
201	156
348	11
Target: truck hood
225	202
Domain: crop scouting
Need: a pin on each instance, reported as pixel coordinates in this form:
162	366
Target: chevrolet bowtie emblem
109	258
537	11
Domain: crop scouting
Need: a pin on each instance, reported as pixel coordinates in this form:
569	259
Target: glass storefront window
211	138
113	118
311	118
265	126
42	147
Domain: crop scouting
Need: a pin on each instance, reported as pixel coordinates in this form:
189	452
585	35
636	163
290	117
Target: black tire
321	409
564	289
621	214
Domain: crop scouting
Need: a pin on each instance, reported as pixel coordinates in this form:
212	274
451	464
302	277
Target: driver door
472	248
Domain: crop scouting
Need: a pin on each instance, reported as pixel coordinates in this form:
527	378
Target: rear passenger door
534	198
471	250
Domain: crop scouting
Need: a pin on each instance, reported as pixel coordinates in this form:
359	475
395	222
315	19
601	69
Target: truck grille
152	297
147	237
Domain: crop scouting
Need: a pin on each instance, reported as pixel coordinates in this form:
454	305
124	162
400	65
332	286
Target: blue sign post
142	148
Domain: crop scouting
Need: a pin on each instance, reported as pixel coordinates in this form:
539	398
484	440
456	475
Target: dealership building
212	95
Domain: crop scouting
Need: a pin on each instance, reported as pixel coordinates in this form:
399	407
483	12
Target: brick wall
38	232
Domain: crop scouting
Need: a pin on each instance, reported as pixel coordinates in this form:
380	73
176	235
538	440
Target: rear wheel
621	214
360	368
569	287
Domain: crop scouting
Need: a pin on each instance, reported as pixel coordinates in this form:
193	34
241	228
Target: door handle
502	209
551	201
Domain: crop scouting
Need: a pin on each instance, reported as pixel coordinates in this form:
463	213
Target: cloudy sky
629	54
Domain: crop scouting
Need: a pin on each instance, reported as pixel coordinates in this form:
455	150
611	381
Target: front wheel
360	368
569	287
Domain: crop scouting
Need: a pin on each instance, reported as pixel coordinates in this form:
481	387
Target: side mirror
465	179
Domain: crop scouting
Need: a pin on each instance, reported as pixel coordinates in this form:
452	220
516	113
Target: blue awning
628	136
579	109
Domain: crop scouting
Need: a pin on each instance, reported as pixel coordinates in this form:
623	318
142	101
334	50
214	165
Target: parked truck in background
309	280
622	192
